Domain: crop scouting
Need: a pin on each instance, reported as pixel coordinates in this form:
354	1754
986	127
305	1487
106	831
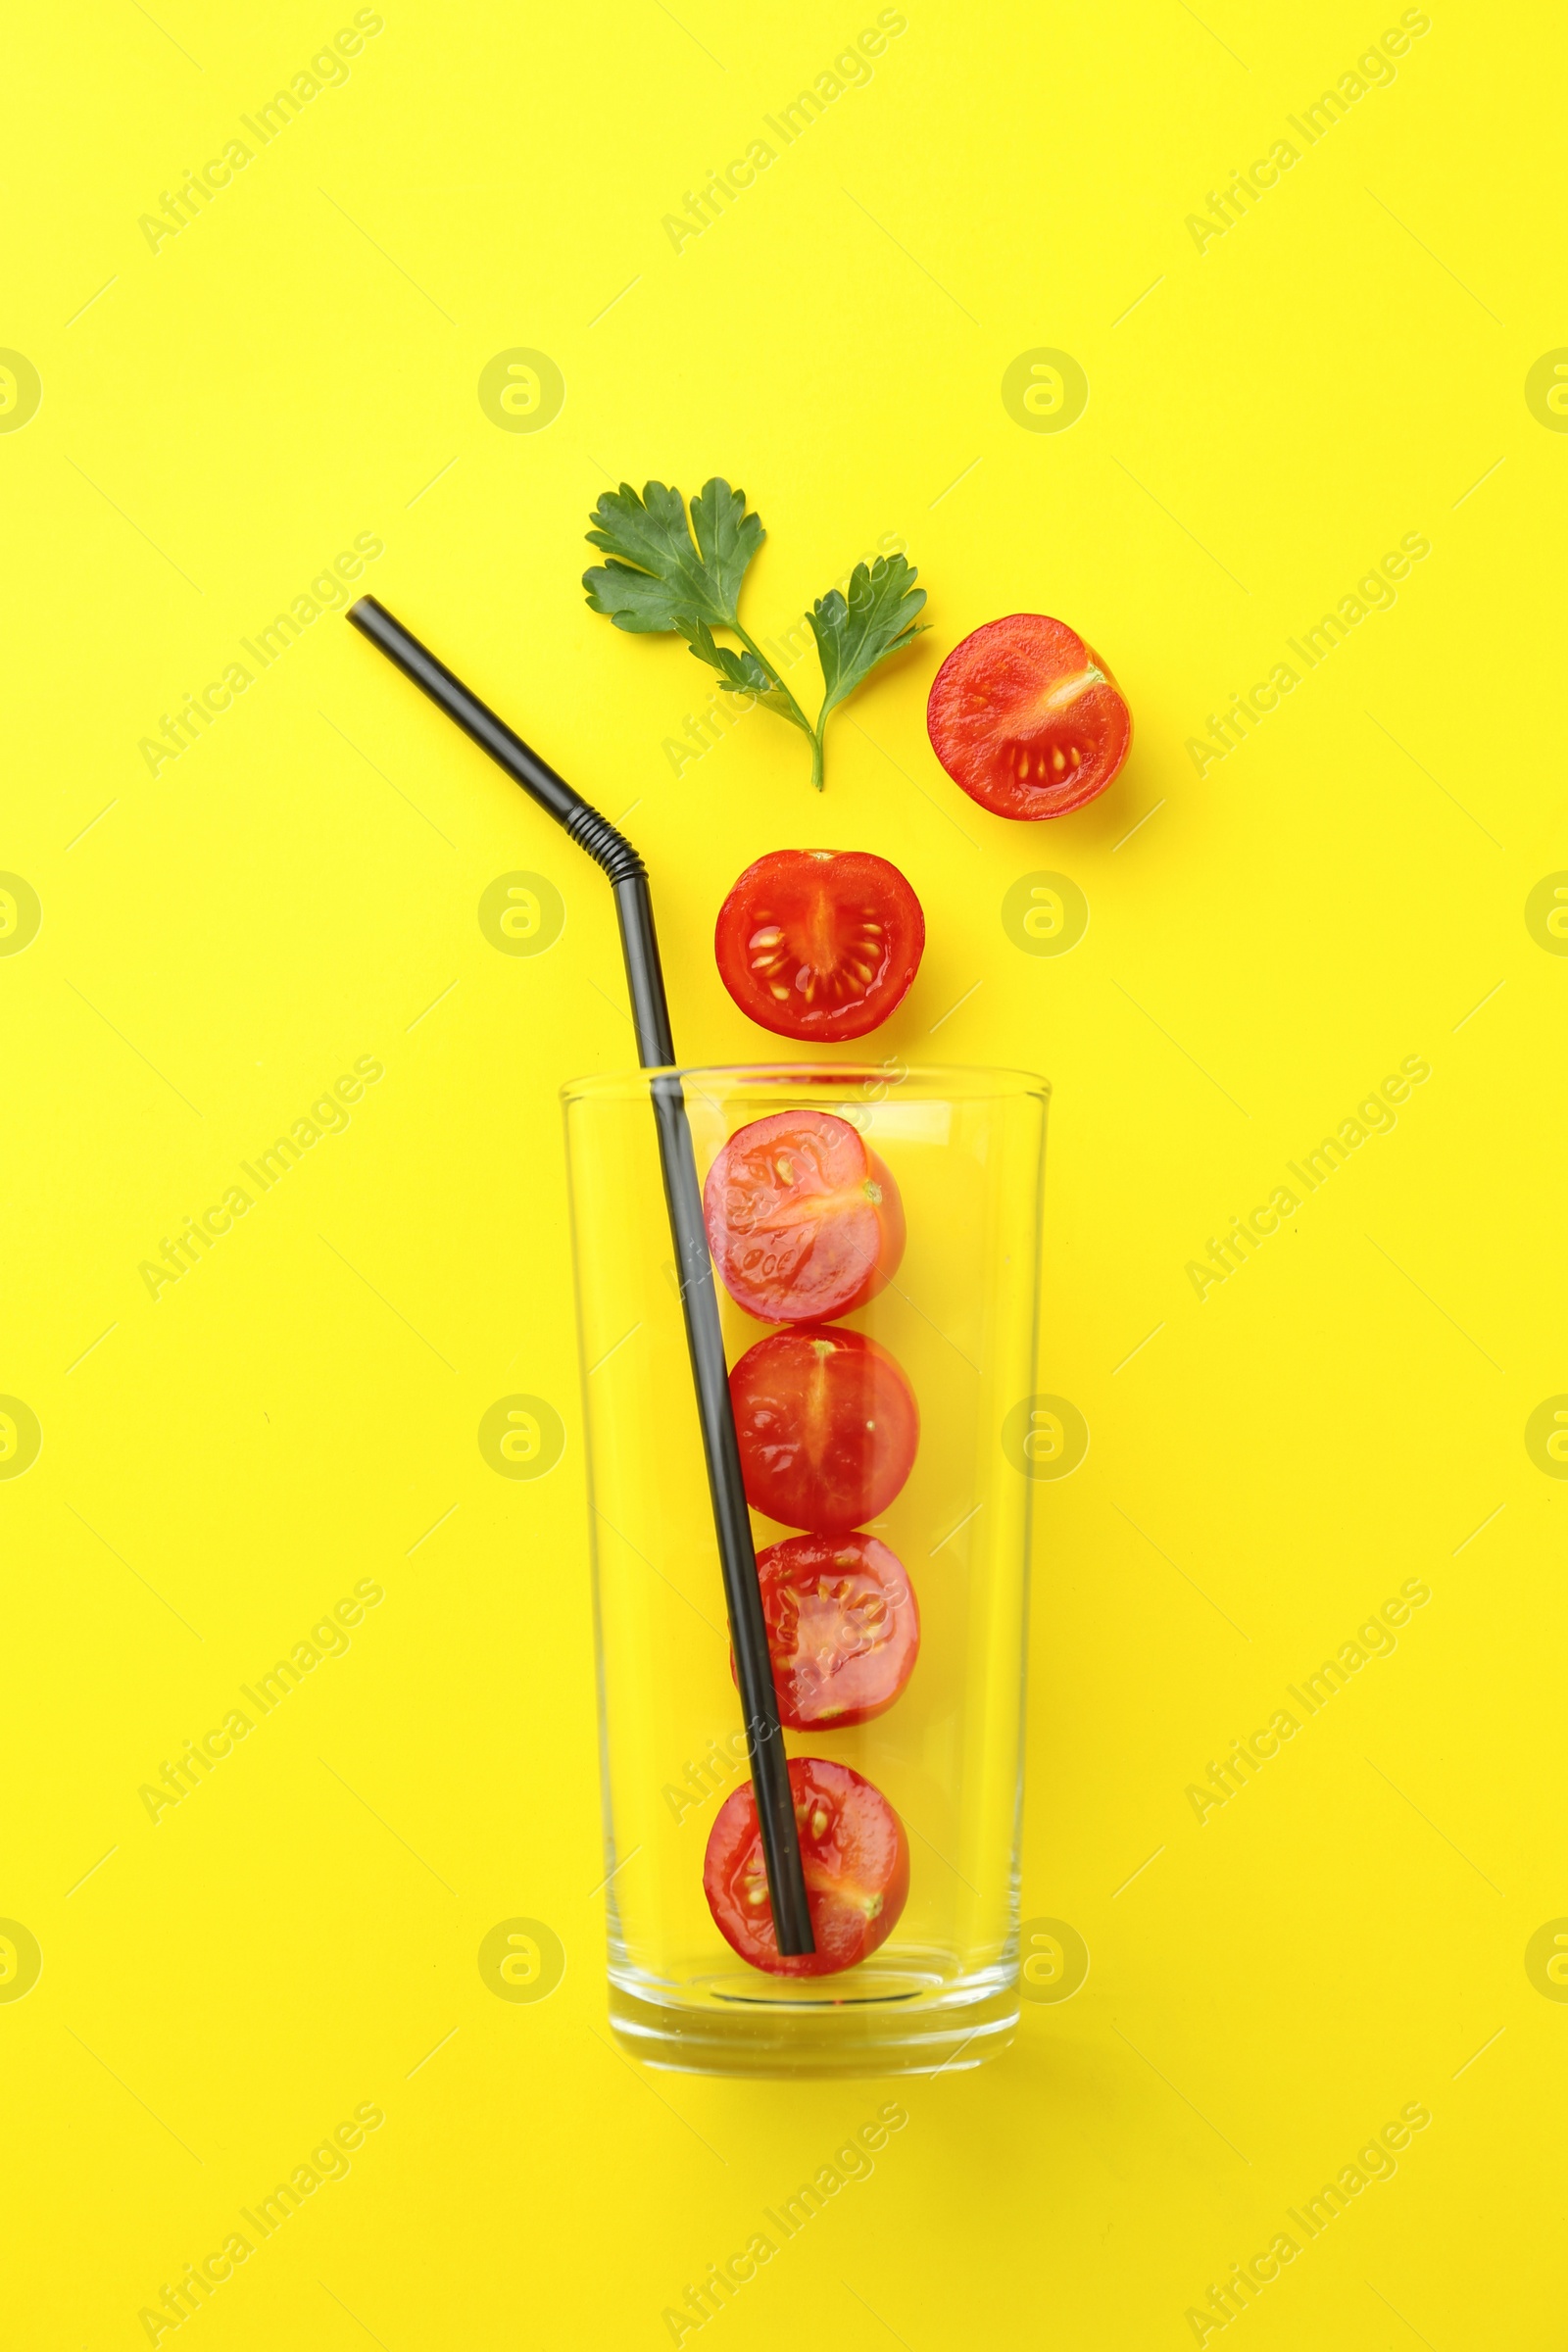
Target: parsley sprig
666	574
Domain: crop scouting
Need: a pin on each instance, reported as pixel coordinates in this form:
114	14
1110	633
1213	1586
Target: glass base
758	2026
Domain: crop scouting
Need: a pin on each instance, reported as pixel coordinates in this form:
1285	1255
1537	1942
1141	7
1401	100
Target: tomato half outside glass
1027	719
827	1425
805	1222
819	944
854	1857
842	1629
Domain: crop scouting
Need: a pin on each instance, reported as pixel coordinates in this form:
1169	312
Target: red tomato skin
827	1425
991	714
804	1597
778	1260
857	1870
819	902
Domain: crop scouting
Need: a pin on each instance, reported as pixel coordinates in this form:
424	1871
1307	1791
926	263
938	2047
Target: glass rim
935	1081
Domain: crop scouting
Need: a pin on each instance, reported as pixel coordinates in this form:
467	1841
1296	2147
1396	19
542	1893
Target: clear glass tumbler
965	1148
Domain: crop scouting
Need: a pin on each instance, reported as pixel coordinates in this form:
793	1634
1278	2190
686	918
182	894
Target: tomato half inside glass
819	944
842	1629
855	1861
827	1426
804	1221
1027	719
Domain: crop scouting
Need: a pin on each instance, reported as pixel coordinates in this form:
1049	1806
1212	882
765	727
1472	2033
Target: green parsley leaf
878	618
657	579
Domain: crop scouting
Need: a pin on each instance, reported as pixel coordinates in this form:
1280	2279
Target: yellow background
1266	417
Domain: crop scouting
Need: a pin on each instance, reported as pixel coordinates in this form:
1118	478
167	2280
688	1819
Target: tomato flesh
819	944
1027	719
804	1223
855	1861
827	1425
842	1629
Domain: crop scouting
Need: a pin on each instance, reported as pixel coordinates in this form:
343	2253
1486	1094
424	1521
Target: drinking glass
965	1148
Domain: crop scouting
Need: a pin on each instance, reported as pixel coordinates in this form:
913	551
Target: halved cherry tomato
820	943
1027	719
827	1426
854	1855
842	1629
804	1222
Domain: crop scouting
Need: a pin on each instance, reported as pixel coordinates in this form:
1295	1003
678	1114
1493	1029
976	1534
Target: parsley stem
797	714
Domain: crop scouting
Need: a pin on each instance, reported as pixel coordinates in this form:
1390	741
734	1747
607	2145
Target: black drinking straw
655	1050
